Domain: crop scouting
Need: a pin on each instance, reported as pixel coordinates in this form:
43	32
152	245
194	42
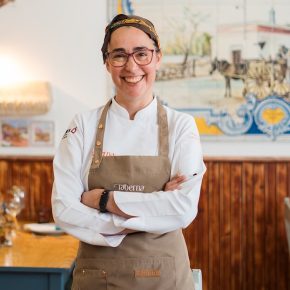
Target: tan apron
143	261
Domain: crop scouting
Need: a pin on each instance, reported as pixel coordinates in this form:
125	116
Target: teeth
133	79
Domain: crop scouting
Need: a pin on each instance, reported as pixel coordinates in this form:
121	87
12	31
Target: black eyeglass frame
131	54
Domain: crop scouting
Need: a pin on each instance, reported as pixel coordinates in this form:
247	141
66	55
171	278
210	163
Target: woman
112	186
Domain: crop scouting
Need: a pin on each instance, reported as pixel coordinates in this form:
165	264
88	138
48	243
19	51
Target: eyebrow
134	49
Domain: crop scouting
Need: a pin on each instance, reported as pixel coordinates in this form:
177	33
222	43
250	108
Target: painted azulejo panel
225	62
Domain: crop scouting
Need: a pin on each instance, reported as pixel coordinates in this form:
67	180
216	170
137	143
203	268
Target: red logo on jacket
72	130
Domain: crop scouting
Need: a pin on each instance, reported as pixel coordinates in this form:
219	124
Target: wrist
110	203
103	202
113	207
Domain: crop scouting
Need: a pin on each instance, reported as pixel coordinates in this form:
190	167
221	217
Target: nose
130	64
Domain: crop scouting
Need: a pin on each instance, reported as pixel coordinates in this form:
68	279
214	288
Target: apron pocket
89	279
143	274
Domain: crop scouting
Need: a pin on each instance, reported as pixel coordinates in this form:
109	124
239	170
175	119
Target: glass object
141	57
6	224
2	220
14	203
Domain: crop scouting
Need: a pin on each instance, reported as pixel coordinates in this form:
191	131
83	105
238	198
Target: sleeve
69	213
161	212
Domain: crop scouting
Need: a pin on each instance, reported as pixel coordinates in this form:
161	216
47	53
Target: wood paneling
238	238
36	177
242	240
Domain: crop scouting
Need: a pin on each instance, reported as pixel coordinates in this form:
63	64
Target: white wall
254	148
59	42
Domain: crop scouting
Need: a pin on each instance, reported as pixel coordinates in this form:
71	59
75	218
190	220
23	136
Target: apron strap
163	130
162	134
98	156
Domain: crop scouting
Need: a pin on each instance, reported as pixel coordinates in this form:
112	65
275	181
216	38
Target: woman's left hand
91	198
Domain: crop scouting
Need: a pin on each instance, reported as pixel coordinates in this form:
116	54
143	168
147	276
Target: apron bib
143	261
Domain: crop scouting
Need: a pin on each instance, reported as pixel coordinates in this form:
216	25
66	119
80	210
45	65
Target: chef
128	175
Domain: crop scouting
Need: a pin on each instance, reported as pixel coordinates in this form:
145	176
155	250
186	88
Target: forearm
92	197
85	223
161	212
112	207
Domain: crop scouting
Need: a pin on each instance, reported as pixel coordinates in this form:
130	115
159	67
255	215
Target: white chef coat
156	212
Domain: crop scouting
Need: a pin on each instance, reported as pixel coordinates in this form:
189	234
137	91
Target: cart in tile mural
223	63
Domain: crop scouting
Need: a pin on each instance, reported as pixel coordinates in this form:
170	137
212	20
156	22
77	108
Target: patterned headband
134	21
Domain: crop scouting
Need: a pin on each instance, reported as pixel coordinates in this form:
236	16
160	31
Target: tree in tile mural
225	62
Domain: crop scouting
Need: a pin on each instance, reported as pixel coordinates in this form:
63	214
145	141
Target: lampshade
27	99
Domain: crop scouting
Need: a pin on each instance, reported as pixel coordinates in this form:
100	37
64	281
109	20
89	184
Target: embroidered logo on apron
129	187
146	273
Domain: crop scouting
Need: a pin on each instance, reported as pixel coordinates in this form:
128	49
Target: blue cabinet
35	278
38	262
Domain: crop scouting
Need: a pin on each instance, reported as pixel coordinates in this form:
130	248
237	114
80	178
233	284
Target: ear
108	66
158	59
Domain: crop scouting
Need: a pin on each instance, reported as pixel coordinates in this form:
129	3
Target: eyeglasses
141	57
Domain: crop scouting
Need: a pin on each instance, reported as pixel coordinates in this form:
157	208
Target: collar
145	113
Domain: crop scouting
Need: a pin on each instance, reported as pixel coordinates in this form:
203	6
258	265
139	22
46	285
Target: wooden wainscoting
238	238
36	176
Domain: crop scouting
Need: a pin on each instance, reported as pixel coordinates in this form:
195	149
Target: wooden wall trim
206	158
238	238
26	157
247	158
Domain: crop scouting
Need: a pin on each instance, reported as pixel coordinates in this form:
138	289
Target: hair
129	20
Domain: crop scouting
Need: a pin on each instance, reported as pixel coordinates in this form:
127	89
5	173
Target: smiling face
133	82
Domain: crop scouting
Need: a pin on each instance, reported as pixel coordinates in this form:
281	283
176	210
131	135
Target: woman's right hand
175	182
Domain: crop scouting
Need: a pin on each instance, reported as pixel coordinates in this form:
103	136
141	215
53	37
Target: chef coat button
101	126
99	143
97	161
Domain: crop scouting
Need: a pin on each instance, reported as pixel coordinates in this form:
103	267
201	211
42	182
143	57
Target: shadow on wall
64	108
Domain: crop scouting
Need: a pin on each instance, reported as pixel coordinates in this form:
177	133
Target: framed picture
14	133
227	63
42	133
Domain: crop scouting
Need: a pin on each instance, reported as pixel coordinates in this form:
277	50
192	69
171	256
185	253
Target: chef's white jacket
156	212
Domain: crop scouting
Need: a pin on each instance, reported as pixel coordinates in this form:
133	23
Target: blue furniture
18	278
37	262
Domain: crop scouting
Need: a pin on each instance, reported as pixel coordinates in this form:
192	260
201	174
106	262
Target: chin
134	95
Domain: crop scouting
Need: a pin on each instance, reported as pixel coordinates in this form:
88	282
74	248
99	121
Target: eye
118	56
142	54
